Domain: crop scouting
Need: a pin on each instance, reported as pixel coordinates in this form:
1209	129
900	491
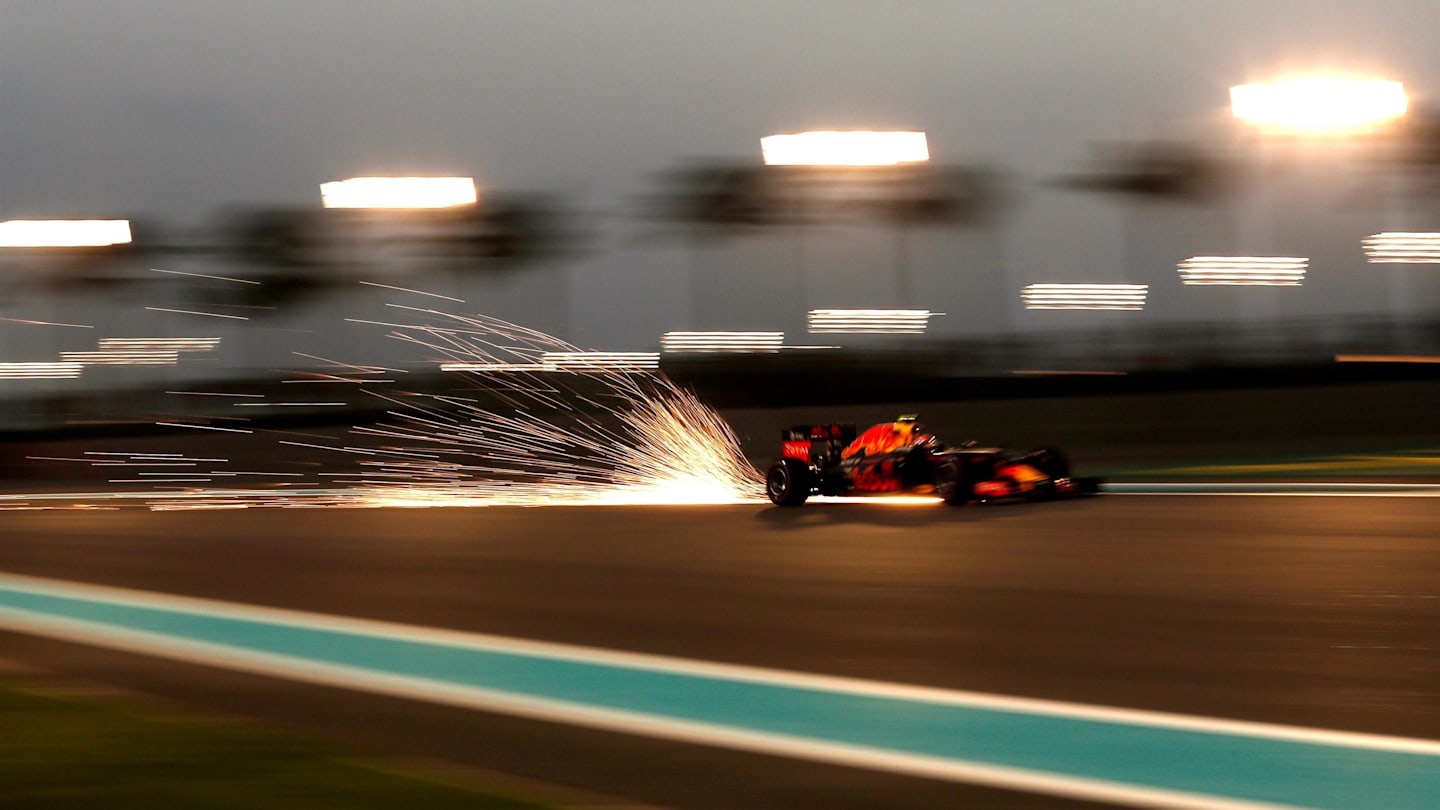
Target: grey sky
177	108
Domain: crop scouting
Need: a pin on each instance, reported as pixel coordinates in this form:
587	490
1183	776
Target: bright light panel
1085	296
722	342
33	233
857	148
498	366
869	321
160	344
1319	105
1259	271
128	357
1403	248
39	371
602	361
399	192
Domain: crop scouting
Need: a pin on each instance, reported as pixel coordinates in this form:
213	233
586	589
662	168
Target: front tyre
1048	460
788	482
951	482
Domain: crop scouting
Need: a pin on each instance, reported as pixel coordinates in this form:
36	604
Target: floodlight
64	233
1403	248
1252	271
869	321
1085	296
722	342
852	148
399	192
1319	106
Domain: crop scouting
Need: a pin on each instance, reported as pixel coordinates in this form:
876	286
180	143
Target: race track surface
1307	611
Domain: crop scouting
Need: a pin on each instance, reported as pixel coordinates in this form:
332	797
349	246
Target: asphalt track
1307	611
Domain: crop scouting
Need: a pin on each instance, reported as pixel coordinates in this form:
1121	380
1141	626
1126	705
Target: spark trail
535	422
533	433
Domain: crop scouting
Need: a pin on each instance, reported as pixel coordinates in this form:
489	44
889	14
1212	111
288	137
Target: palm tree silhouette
510	232
1419	158
1151	173
286	246
936	196
507	234
713	200
719	200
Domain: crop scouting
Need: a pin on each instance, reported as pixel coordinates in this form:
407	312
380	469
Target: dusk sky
176	109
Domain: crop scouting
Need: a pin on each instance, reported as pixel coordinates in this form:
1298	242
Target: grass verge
62	750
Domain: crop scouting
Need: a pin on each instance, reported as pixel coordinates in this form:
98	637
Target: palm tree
1150	173
716	197
510	232
287	247
506	234
722	200
715	200
1419	157
1156	170
936	196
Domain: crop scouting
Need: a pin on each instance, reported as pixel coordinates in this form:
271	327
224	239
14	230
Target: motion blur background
622	192
1102	248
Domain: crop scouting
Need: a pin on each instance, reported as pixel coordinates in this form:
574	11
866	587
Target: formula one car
899	456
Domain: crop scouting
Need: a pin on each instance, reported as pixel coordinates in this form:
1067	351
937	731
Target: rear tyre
788	482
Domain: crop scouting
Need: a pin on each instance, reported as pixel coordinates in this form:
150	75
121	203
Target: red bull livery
902	457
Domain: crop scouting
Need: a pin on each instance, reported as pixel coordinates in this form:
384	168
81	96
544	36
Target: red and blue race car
901	457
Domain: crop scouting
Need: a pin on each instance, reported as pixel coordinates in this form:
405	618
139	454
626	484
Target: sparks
543	424
594	435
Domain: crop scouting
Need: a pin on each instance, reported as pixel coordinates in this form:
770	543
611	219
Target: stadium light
1250	271
844	148
1319	106
869	321
123	357
1085	296
64	233
142	351
1403	248
486	368
399	192
40	371
159	344
722	342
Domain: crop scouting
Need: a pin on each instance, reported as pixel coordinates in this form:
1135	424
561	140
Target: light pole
1172	173
1312	108
391	197
855	151
68	239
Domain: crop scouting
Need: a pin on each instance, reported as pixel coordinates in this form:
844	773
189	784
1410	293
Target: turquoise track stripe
1159	760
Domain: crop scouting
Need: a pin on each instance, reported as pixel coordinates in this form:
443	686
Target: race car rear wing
816	443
